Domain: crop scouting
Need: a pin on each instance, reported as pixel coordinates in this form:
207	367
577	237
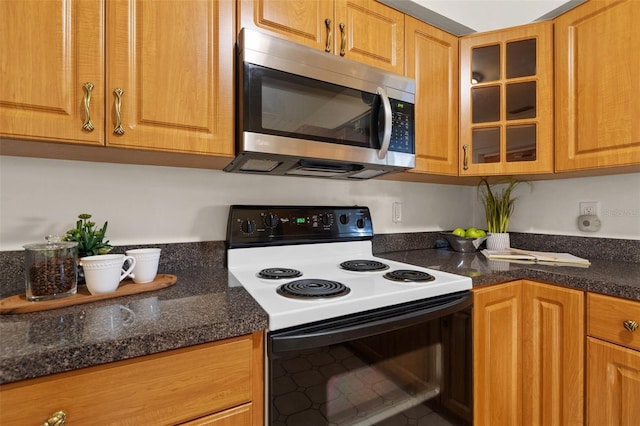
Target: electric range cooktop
307	264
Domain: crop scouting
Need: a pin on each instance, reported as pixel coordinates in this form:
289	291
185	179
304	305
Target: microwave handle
386	138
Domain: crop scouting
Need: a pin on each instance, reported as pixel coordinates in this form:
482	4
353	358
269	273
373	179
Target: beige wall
148	204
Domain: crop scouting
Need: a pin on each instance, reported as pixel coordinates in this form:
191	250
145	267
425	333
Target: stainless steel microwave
304	112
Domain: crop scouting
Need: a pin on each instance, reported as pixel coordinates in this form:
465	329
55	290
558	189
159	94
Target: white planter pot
498	241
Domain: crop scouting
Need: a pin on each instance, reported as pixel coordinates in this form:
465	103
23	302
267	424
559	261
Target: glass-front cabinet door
506	101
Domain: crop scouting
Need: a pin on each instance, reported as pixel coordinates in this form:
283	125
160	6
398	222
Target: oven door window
283	104
401	377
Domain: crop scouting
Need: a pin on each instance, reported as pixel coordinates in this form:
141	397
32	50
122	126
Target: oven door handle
366	324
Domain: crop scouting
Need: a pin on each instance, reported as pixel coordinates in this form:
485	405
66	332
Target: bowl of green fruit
465	240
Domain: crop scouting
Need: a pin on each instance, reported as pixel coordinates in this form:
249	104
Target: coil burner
409	276
313	289
279	273
363	265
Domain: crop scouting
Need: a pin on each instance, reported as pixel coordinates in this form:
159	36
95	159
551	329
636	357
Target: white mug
147	260
104	272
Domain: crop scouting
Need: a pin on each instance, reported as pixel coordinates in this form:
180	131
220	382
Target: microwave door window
303	108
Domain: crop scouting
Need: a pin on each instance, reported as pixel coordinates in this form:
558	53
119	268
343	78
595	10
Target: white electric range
309	264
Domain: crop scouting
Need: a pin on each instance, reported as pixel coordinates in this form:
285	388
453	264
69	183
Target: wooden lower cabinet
613	389
233	417
528	354
218	383
613	361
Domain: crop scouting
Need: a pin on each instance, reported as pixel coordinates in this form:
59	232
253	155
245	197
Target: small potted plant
90	240
498	207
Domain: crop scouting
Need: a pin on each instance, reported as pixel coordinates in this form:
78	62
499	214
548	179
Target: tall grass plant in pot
498	207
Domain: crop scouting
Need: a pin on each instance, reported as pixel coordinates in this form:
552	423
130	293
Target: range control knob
271	220
248	226
360	222
344	219
326	219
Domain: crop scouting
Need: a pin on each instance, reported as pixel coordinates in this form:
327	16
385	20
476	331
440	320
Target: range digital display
300	220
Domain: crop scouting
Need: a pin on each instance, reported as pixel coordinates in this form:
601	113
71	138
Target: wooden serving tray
19	304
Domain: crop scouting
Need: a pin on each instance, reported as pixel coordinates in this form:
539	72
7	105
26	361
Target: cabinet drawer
607	316
238	416
159	389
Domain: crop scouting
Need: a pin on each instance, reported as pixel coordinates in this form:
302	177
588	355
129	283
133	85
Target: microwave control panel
402	129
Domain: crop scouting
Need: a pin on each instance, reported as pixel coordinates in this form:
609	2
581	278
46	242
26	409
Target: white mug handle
128	272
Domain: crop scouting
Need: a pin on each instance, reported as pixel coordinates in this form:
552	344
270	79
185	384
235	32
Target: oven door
405	364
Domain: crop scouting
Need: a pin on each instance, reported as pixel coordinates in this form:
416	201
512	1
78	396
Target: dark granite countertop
201	308
619	279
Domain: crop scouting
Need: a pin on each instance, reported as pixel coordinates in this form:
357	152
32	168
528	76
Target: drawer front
238	416
607	316
160	389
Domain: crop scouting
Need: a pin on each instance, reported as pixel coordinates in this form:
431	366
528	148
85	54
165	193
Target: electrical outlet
396	212
589	208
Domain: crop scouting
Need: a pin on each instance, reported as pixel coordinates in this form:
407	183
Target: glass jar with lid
50	269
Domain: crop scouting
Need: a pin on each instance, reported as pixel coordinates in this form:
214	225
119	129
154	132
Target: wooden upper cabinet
506	101
301	21
363	30
432	60
48	51
597	85
373	34
173	61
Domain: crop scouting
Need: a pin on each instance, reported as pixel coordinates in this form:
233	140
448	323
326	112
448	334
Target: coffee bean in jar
50	269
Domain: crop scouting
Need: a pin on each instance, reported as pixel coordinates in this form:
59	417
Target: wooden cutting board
19	304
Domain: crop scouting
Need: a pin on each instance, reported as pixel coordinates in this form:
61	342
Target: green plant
90	240
498	206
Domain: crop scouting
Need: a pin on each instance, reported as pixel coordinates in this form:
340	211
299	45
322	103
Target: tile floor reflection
335	387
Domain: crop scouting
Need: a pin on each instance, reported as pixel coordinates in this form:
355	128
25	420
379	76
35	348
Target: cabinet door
372	34
432	60
238	416
48	51
506	101
305	22
497	385
613	384
597	85
173	61
553	353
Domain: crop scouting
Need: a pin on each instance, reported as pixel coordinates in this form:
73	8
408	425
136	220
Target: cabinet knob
630	325
56	419
119	130
327	22
87	125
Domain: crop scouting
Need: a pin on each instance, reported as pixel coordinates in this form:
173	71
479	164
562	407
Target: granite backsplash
212	253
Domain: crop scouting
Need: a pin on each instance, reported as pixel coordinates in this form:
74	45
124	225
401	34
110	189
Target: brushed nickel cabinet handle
343	45
327	22
630	325
56	419
119	130
465	159
87	125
